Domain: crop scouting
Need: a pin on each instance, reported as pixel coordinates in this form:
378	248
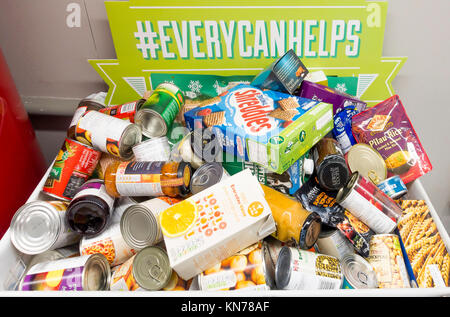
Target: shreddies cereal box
267	127
214	224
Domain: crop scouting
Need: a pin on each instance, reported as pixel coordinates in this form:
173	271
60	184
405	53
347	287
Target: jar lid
308	166
368	162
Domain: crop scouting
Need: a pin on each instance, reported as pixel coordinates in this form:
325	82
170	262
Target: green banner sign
202	45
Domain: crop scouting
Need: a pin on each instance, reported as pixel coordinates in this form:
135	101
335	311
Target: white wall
52	79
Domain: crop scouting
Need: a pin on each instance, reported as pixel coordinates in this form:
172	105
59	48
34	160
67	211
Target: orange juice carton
216	223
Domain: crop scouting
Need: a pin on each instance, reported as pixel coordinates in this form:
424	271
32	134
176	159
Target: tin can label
74	164
139	178
110	243
124	112
77	115
122	277
393	187
61	275
101	131
314	271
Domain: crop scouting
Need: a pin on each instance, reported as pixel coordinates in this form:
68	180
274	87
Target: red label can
125	111
74	164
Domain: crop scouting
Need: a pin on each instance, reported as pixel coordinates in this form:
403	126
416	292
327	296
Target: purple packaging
338	99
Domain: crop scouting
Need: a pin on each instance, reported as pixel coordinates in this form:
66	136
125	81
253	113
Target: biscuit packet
387	128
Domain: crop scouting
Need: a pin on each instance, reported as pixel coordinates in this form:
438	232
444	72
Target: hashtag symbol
146	38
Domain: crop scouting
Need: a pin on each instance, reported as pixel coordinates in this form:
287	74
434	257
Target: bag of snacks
387	128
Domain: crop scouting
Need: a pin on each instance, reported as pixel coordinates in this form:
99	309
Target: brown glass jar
148	179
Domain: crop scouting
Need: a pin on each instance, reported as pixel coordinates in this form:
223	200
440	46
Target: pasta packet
387	128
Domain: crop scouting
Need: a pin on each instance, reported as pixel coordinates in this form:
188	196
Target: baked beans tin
154	149
73	165
244	270
369	204
125	111
139	223
368	162
82	273
40	226
148	270
358	273
108	134
387	260
110	243
158	113
207	175
298	269
332	242
393	187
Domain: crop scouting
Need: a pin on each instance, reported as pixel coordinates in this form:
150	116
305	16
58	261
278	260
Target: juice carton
214	224
266	127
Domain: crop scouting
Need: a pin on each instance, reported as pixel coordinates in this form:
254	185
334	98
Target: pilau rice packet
387	128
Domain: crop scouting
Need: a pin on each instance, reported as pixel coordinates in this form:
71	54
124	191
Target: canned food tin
387	260
52	255
243	270
40	226
110	243
108	134
332	242
122	205
158	113
368	162
304	270
140	222
73	165
369	204
393	187
148	270
154	149
331	168
126	111
207	175
82	273
358	273
92	102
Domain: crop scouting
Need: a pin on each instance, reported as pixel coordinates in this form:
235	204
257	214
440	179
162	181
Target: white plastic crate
13	263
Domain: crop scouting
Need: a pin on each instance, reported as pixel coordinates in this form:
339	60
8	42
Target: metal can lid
97	273
151	123
310	231
35	227
151	268
268	265
358	272
205	176
347	189
139	226
131	136
185	172
368	162
283	267
332	173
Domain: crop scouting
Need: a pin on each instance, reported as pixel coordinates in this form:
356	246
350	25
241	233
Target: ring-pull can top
368	162
40	226
358	273
207	175
158	113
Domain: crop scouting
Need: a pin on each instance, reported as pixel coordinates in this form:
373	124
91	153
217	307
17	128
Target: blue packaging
393	187
342	130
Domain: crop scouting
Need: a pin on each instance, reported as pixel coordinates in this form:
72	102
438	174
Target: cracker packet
387	128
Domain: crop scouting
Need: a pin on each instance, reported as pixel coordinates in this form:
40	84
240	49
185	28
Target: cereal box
209	227
267	127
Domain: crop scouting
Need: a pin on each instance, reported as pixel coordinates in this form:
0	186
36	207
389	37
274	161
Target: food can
148	270
140	222
40	226
73	165
369	204
393	187
270	250
176	283
108	134
125	111
243	270
358	273
298	269
332	242
81	273
52	255
110	243
368	162
92	102
158	113
293	222
207	175
331	167
123	203
387	260
154	149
